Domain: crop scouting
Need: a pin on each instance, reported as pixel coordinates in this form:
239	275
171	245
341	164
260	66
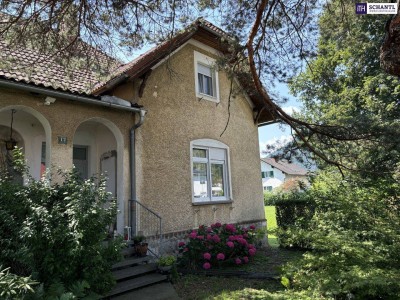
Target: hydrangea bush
212	246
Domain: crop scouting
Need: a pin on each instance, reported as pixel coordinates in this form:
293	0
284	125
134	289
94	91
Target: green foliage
294	211
345	87
13	286
56	232
356	240
166	260
218	244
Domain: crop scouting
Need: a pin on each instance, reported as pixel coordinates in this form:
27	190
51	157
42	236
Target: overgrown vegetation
55	233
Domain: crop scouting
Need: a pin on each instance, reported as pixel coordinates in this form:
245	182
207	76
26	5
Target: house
275	172
154	125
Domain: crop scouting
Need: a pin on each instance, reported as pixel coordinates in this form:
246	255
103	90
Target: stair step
131	261
135	283
134	271
127	252
158	291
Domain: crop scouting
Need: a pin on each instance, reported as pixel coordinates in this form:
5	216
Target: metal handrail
146	222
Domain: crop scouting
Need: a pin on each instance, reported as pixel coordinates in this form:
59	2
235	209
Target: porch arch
94	133
37	120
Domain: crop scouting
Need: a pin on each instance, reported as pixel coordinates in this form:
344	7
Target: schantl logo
361	8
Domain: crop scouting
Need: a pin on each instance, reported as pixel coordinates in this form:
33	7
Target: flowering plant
219	243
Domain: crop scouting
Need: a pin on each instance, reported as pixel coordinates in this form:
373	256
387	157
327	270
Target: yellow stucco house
154	126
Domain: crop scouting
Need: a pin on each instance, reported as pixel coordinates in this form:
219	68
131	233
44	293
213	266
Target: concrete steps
133	274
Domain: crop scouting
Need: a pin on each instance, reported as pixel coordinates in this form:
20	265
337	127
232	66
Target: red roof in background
286	167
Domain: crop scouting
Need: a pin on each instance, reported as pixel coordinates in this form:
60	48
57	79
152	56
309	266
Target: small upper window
206	77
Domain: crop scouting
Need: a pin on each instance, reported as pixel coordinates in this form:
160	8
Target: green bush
294	210
56	232
13	286
355	238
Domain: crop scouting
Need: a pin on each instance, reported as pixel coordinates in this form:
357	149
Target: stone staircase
133	274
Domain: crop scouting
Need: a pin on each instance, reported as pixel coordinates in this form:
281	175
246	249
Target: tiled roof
29	66
137	66
286	167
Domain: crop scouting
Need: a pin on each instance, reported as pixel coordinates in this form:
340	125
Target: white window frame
208	144
207	61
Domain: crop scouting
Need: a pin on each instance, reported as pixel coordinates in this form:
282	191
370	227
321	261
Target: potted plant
166	262
140	246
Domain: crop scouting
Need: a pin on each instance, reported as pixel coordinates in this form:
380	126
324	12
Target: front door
80	160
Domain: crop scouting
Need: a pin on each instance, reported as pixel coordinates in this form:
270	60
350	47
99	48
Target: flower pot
141	250
165	269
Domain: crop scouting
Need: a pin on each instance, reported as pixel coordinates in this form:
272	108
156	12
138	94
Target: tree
345	87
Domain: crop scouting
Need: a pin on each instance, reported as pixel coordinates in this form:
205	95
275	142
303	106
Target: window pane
205	70
201	85
200	183
199	153
217	179
208	87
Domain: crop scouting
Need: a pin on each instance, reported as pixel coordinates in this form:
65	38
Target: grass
270	215
198	287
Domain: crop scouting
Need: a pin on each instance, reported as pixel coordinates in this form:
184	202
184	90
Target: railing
144	221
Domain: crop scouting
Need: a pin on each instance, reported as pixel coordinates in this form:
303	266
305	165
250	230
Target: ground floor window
210	171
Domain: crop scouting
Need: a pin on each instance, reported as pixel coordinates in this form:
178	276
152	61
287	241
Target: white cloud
275	142
290	109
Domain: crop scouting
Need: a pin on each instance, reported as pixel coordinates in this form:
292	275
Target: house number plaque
62	140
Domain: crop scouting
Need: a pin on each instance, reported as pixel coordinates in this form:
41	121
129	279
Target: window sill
206	97
212	202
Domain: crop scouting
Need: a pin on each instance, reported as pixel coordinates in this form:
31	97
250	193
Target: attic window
206	77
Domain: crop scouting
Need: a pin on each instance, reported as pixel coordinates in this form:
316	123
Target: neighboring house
154	126
274	173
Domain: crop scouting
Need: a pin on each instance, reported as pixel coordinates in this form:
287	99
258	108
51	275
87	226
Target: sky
270	134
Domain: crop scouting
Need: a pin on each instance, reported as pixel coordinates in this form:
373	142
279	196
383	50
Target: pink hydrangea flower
193	235
238	261
209	229
230	228
186	250
216	238
207	256
252	252
230	244
220	256
206	266
242	241
252	227
209	237
245	235
232	238
250	246
218	225
181	244
245	259
200	237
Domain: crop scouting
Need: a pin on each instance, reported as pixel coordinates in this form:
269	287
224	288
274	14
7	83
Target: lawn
270	215
268	260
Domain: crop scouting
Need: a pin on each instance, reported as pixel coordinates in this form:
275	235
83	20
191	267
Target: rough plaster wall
176	117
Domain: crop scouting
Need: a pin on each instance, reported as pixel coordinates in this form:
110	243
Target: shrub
294	210
212	246
56	232
13	286
166	260
355	241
